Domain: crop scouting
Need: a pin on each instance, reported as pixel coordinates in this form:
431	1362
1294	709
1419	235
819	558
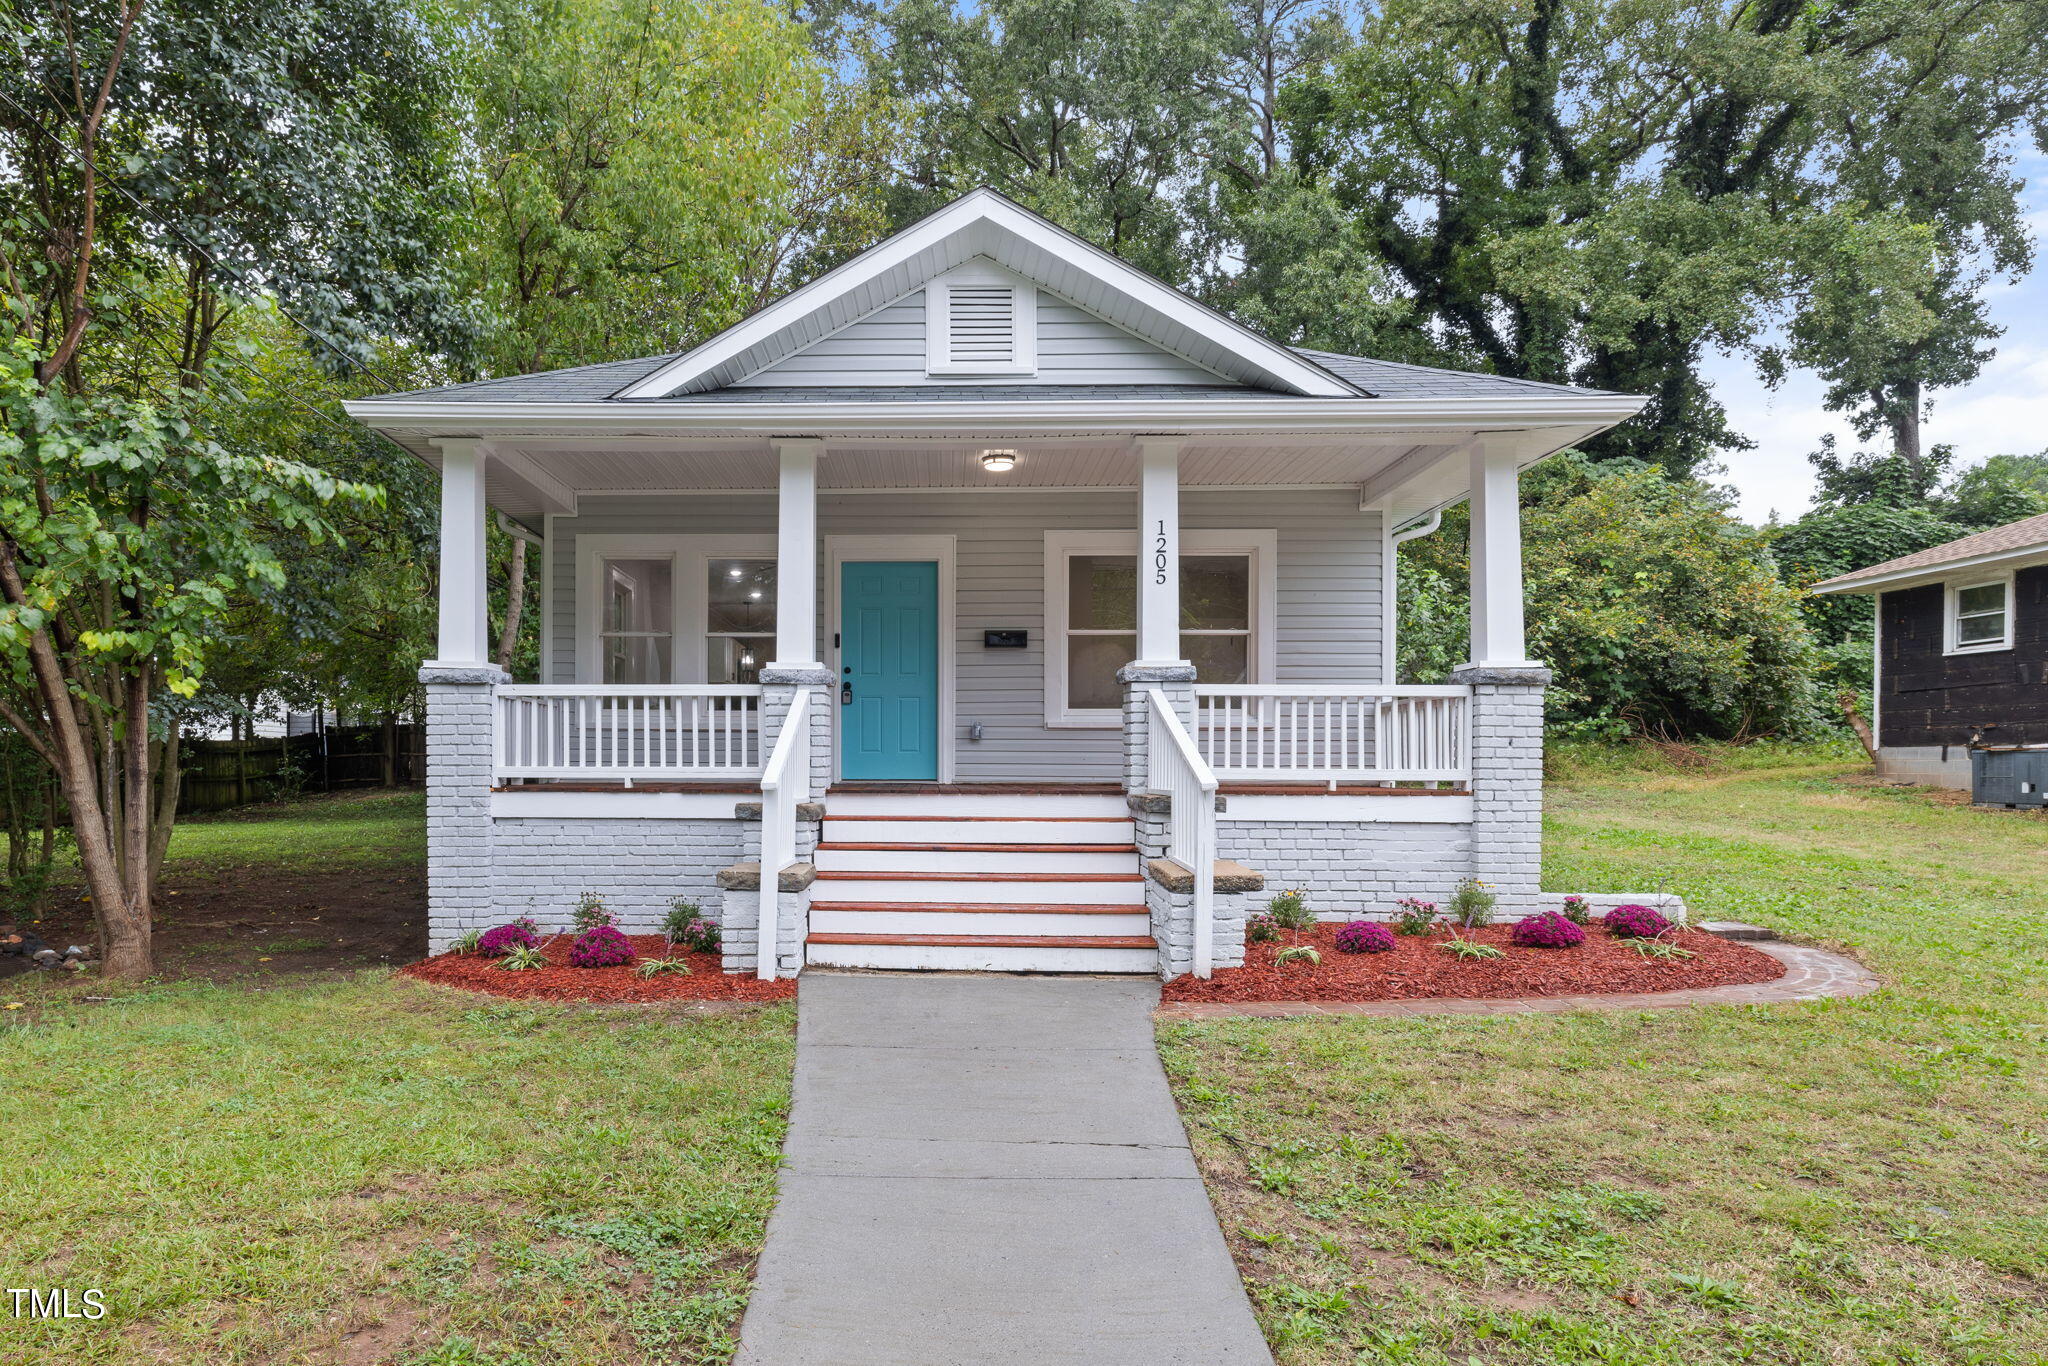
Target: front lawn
1848	1182
376	1170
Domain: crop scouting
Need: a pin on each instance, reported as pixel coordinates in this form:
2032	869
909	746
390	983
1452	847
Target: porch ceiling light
999	462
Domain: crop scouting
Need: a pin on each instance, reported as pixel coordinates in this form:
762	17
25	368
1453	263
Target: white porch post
796	555
1159	552
464	636
1498	638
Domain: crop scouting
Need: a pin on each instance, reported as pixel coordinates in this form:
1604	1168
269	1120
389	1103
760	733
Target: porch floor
989	1170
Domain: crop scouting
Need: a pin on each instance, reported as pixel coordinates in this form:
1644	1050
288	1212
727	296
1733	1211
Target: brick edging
1811	974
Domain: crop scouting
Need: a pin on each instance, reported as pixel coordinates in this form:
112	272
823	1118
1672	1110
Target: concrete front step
1060	889
979	830
836	856
981	953
1012	920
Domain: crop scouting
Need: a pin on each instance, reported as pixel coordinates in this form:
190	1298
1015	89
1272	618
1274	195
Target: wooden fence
223	773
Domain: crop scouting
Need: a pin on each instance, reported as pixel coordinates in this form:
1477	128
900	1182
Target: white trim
1877	677
1260	544
555	495
983	219
463	628
615	806
942	550
545	673
938	319
690	558
1445	810
1949	626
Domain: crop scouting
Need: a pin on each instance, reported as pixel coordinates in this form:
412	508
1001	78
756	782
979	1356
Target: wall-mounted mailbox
1005	640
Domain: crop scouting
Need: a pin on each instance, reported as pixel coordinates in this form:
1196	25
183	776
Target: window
981	321
1980	616
739	622
638	637
1092	615
674	609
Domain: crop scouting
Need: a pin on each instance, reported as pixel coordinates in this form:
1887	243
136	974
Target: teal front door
889	669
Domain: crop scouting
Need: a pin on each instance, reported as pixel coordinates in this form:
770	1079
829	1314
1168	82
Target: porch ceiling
529	477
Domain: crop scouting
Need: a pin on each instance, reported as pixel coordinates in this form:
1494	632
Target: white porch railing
634	733
1177	769
1278	732
784	783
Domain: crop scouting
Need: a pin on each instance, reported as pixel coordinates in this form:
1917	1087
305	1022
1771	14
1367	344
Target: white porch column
1159	552
1498	638
464	634
796	554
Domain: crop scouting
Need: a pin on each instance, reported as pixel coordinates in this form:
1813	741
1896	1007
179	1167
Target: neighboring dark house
1962	650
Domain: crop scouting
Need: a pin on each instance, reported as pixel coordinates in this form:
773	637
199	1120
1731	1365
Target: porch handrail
779	798
1335	732
630	732
1176	767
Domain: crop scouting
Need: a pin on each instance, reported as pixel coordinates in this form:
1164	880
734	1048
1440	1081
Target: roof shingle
2027	534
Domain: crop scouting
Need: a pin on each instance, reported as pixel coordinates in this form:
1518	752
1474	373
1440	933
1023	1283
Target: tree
289	149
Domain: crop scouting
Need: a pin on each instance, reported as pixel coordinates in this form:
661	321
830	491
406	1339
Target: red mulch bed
706	980
1415	968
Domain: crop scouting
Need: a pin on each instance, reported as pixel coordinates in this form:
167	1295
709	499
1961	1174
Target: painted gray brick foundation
1352	867
540	867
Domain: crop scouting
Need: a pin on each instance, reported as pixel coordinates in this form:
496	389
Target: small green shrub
1290	911
685	925
1577	910
1299	953
467	943
1472	905
654	967
523	958
1659	949
1469	948
1413	915
590	913
1261	929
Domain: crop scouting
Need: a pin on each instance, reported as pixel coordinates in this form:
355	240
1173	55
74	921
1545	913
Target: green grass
315	834
250	1176
1843	1182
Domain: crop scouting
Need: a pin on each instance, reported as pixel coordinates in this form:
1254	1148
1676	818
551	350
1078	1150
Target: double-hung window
1092	615
674	609
1979	616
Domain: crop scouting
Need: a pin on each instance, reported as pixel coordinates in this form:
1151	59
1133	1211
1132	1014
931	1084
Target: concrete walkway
989	1170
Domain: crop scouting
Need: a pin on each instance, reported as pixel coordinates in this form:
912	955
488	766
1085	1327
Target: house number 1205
1159	544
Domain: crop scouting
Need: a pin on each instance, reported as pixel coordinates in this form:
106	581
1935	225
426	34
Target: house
1961	650
1013	609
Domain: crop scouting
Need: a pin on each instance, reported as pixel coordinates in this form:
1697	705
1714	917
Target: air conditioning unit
2011	775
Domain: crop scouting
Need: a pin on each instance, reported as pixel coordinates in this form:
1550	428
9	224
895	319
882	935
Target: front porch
699	715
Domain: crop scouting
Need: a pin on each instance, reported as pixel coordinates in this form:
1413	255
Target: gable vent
981	326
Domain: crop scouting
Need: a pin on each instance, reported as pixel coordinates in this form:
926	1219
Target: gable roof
2013	542
985	223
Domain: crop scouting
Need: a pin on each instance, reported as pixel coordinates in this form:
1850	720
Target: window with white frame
674	609
1979	615
1092	615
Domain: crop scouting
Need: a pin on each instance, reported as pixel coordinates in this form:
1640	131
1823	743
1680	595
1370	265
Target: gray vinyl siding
888	348
1327	593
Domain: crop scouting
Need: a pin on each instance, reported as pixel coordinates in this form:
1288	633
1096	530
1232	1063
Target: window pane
1985	597
1216	592
637	659
638	595
742	596
1102	594
736	659
1975	630
1218	659
1092	662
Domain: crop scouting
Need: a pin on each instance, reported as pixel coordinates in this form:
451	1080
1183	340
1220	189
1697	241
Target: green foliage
1297	953
1468	948
1661	950
1472	905
590	913
1836	539
1413	915
1290	911
655	967
466	943
523	958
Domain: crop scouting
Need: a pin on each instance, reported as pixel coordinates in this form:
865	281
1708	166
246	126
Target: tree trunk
1846	700
387	750
169	782
515	600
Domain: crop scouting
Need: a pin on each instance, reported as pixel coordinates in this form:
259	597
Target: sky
2004	411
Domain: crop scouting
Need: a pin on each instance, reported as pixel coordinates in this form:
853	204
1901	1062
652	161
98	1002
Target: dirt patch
1416	968
233	924
706	980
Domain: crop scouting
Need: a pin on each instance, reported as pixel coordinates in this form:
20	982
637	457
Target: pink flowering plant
1549	930
1635	922
1261	929
520	934
601	946
1413	915
1364	936
685	925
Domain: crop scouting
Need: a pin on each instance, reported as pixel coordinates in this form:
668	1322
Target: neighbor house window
1092	615
739	619
1980	616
